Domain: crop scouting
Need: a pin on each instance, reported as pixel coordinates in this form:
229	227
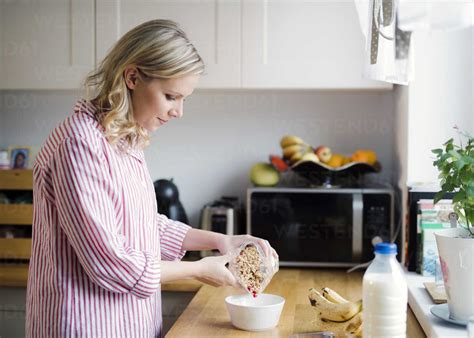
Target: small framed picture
19	157
4	158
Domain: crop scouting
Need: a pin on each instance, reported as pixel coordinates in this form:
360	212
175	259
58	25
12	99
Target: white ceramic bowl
255	314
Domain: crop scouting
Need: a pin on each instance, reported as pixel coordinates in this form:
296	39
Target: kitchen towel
387	26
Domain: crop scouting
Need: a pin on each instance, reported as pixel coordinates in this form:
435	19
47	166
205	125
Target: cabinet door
46	44
213	26
302	44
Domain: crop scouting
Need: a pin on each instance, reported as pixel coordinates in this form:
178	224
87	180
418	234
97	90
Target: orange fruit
336	161
346	160
365	156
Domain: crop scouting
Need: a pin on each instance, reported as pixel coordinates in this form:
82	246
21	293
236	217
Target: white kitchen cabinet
303	44
213	26
53	44
46	44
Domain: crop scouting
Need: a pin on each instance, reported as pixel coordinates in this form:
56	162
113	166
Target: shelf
15	248
16	214
14	275
16	179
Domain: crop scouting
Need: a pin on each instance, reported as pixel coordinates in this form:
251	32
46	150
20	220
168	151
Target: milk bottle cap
386	248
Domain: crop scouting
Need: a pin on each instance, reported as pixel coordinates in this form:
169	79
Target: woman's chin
151	127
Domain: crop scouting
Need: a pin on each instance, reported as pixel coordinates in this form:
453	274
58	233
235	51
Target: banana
296	157
351	326
290	151
333	296
289	140
358	331
354	326
310	156
331	311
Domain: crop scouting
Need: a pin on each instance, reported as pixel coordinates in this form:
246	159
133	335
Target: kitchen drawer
16	179
13	275
15	248
18	214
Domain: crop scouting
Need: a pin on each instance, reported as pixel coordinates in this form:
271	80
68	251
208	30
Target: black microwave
321	227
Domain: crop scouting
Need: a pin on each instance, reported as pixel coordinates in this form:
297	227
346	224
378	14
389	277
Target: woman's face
156	101
19	160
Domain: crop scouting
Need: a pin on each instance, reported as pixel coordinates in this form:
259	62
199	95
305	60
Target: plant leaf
439	196
459	164
437	151
454	154
450	141
459	196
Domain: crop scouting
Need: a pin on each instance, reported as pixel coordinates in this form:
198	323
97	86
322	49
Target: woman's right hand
213	271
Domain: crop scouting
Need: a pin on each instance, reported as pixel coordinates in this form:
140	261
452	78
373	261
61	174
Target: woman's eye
170	98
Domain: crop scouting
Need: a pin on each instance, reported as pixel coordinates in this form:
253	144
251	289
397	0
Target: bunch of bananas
339	315
295	149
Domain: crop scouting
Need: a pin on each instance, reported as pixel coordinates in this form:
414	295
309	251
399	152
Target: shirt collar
132	151
86	107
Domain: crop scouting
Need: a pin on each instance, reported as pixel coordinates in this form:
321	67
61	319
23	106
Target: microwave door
313	229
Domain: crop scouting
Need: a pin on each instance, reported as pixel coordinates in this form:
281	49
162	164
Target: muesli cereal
248	264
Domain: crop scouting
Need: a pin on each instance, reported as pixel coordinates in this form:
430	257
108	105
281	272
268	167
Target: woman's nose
177	111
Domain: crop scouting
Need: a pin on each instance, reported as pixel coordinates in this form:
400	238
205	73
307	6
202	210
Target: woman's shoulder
81	126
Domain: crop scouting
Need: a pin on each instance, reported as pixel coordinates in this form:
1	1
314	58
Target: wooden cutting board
438	295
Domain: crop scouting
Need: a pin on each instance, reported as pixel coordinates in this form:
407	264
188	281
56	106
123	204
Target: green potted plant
456	245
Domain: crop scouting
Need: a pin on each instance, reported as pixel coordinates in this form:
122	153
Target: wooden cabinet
46	44
212	26
303	44
15	252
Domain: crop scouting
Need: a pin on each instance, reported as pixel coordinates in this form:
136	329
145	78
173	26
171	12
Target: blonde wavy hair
159	49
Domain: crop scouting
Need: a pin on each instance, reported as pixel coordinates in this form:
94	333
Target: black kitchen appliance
321	227
167	198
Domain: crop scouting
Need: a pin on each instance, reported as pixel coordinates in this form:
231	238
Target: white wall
210	150
440	97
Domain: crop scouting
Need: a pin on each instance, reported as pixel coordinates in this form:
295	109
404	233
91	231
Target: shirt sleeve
87	203
172	234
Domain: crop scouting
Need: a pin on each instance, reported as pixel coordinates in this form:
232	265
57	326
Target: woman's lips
161	121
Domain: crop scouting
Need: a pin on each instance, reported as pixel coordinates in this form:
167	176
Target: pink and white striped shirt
97	237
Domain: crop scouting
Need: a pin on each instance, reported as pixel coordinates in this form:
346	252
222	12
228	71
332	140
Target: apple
324	153
278	163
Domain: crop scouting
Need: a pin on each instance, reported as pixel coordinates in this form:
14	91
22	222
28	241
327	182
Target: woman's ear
130	75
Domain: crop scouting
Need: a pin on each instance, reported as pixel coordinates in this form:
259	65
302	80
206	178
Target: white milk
385	295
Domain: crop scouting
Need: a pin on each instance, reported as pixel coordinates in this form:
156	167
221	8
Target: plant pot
456	256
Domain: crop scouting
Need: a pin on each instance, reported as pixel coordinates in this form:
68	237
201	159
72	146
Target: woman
20	161
100	250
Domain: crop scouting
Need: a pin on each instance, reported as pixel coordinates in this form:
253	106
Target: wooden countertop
184	285
206	315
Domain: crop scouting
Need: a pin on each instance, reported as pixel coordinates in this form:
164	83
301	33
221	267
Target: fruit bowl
321	174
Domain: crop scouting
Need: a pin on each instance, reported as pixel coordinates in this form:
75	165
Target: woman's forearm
202	240
195	240
175	270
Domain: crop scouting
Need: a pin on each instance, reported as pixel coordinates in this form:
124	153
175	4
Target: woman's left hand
230	243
